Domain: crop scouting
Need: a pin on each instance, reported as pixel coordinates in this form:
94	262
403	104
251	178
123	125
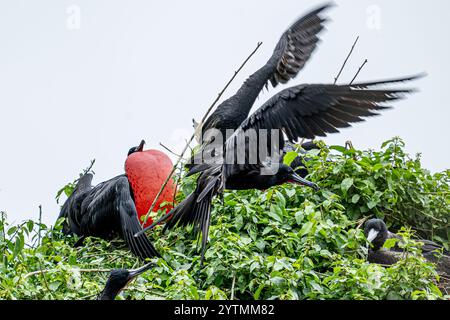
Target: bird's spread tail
194	211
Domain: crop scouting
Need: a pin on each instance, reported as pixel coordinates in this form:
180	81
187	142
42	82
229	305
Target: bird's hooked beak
295	178
134	273
141	146
372	235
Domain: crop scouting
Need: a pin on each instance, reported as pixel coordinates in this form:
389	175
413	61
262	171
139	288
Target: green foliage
390	185
286	243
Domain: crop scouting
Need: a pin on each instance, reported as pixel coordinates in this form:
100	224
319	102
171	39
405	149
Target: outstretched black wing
293	50
296	46
308	111
109	210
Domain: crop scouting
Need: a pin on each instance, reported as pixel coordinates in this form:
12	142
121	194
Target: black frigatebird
106	211
119	279
304	111
293	50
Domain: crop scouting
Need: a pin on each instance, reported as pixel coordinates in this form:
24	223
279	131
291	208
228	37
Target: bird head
376	232
139	148
287	175
119	279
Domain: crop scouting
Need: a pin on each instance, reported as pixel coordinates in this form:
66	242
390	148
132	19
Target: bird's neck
251	88
107	294
378	243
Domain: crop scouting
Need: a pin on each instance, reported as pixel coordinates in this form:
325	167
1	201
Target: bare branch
197	131
346	59
232	287
34	273
169	150
359	70
40	224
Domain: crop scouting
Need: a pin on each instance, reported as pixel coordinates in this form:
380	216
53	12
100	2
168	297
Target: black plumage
119	279
298	164
303	111
106	211
377	234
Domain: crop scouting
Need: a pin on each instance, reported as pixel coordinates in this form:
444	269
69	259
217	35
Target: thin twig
359	70
346	59
169	150
436	193
232	287
88	169
3	221
196	131
43	277
177	185
40	223
89	296
361	222
79	270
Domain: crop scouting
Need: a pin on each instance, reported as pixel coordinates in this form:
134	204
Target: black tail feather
139	245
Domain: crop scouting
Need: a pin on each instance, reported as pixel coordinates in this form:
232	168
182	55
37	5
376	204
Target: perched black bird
293	50
106	211
304	111
377	233
119	279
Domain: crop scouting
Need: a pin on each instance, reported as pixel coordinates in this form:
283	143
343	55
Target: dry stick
232	287
359	70
169	150
40	223
88	169
79	270
195	132
177	185
39	240
345	62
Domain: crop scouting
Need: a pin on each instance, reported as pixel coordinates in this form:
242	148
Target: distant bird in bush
377	234
119	279
110	209
293	50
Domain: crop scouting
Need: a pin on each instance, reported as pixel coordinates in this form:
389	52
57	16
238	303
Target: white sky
143	69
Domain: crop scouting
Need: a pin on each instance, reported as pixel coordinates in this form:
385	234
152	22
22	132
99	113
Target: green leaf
239	222
372	204
306	229
54	285
346	184
290	157
275	213
338	148
390	243
277	280
30	225
258	291
316	286
355	198
299	216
